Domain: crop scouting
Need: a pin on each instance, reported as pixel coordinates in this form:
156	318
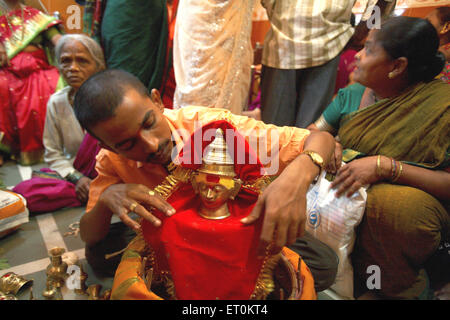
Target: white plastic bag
333	221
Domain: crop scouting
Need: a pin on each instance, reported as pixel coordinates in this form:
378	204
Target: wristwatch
316	159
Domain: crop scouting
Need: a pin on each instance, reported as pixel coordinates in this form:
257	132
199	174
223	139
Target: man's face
138	130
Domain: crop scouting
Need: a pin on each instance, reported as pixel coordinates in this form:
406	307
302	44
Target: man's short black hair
100	95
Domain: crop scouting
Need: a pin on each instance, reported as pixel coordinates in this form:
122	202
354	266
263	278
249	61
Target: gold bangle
379	166
393	169
399	172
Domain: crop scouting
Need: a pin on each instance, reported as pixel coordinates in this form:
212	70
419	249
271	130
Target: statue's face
212	194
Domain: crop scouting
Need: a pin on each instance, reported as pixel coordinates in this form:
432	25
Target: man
136	133
301	55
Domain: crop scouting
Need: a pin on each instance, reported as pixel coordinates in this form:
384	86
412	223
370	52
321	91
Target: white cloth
62	133
213	54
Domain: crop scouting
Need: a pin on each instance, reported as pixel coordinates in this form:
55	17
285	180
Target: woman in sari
69	151
137	37
27	79
213	54
394	127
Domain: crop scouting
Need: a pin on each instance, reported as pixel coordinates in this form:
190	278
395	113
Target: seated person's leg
118	237
320	259
402	227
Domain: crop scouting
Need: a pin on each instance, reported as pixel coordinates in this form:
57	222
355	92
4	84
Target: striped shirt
306	33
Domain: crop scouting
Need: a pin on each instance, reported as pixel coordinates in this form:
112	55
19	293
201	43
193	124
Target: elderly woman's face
373	64
76	64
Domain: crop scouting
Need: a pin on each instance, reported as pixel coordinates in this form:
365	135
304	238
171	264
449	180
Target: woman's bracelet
393	168
74	176
379	167
399	172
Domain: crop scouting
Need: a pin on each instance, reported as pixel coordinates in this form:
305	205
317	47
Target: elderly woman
27	79
69	156
394	127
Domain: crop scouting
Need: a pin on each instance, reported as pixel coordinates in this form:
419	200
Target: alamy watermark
74	18
374	280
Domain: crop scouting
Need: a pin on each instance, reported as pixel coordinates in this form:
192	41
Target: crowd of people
103	110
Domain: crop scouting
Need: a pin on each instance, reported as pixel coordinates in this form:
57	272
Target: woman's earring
391	75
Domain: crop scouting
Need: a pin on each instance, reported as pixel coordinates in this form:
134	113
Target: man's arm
283	203
109	195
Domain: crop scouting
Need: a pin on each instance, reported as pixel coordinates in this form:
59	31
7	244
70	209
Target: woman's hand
336	161
121	199
356	174
4	61
82	189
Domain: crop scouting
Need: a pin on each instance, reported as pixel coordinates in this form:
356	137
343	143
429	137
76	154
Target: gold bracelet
399	172
379	166
392	168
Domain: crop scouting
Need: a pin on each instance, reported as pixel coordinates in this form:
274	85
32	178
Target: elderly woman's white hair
90	44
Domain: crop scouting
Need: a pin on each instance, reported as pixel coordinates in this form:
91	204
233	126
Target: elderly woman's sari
27	84
402	226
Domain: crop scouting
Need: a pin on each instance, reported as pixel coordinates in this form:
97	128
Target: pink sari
46	192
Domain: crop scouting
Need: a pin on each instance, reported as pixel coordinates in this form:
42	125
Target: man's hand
82	189
283	202
121	199
283	205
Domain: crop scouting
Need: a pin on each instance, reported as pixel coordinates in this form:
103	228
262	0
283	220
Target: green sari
134	37
413	127
402	226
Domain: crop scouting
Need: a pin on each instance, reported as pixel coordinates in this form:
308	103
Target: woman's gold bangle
379	166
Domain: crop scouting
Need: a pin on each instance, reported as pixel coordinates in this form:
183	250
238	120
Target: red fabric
210	259
246	164
25	88
345	68
50	194
28	13
169	84
85	159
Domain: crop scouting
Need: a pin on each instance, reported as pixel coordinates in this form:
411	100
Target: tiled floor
26	250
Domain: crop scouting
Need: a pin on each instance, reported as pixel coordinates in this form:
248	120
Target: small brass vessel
5	296
11	283
94	291
50	291
106	295
57	269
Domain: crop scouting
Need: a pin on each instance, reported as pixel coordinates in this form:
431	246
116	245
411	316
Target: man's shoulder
109	159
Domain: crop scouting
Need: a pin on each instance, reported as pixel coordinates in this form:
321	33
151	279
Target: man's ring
133	206
151	193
